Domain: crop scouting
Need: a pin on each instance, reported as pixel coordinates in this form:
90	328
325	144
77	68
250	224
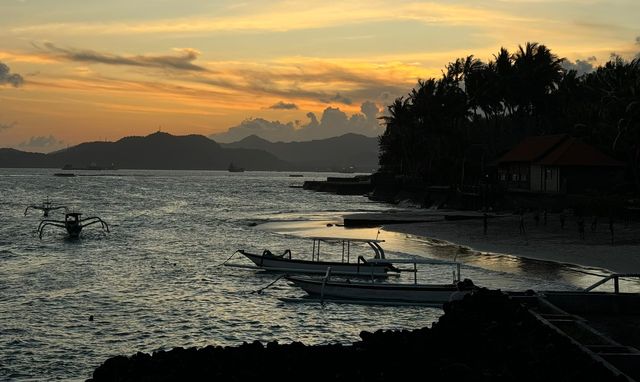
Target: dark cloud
313	120
270	130
5	126
182	61
370	110
580	66
332	122
8	78
334	119
284	105
42	143
340	99
301	83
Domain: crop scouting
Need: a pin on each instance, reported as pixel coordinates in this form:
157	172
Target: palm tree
429	132
538	73
504	72
396	135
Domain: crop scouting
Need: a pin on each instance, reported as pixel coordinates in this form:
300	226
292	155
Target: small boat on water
286	263
382	292
234	168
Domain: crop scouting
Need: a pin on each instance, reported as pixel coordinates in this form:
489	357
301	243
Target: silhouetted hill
155	151
349	150
17	158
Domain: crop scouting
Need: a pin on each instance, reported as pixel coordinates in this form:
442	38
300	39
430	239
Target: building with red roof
558	164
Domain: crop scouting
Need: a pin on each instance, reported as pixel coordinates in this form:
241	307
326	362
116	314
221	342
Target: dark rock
486	336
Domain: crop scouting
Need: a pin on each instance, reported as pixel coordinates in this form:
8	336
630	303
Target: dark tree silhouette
434	135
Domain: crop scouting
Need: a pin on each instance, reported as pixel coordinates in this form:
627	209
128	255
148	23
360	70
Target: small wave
6	254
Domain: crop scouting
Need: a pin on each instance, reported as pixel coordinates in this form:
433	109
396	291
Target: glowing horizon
104	71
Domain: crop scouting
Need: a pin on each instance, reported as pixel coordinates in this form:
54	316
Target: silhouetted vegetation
446	130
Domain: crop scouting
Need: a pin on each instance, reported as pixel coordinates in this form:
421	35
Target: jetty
604	326
375	219
357	185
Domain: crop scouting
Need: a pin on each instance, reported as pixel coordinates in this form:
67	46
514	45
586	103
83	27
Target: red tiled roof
557	150
532	148
573	152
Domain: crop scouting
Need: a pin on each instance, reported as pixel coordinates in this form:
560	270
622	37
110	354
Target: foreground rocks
485	337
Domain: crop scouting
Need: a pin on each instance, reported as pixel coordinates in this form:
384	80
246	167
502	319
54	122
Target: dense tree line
446	130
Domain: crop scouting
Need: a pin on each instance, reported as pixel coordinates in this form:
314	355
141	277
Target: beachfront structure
558	164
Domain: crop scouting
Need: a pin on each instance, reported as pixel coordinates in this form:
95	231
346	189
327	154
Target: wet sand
540	241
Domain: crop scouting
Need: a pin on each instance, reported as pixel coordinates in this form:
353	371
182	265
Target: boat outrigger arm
45	207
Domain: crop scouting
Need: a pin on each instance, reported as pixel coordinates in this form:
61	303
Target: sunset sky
78	70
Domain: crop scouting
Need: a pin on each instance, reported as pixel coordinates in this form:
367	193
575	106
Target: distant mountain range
155	151
349	152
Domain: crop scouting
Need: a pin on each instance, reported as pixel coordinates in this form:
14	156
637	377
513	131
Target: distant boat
233	168
91	166
347	170
64	174
296	175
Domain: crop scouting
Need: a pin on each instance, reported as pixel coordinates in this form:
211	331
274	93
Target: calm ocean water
154	281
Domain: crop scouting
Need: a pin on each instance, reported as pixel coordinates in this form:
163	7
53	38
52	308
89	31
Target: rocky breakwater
357	185
487	336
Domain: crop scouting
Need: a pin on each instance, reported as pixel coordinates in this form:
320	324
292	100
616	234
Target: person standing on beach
581	227
611	229
521	227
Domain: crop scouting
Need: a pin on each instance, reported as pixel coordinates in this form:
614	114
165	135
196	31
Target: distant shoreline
93	171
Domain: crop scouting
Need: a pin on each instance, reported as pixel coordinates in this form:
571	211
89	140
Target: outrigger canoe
286	263
375	291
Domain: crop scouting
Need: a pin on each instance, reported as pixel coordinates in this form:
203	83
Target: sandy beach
540	241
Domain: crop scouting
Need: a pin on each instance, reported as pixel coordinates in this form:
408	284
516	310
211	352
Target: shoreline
541	242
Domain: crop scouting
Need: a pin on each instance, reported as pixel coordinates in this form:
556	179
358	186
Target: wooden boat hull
281	264
382	292
73	229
